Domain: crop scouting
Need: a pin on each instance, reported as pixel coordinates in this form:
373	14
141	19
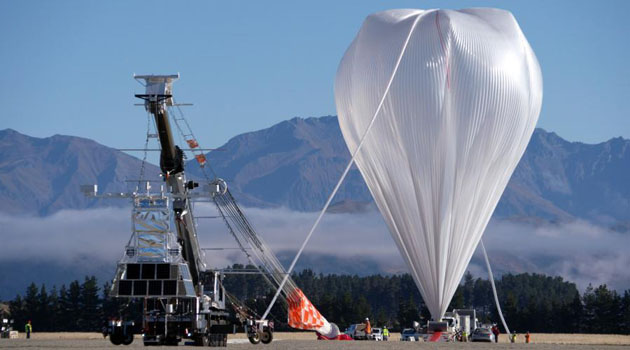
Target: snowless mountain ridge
295	164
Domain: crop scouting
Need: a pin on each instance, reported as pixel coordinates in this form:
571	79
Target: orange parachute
302	314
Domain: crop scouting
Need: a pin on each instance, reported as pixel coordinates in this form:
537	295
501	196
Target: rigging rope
238	225
494	289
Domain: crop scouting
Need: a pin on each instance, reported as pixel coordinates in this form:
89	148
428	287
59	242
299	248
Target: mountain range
296	163
43	175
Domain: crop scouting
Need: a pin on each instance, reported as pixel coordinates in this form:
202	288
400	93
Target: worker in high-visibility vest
513	337
385	333
527	337
28	328
368	327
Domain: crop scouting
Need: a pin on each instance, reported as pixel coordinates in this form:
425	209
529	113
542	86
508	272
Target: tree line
530	302
79	307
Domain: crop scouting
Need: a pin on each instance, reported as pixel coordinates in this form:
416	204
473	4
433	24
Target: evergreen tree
408	312
510	311
91	315
31	305
575	315
18	313
53	307
607	307
43	310
362	309
62	314
381	318
468	290
73	310
625	313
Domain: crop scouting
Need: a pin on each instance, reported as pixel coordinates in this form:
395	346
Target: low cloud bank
578	251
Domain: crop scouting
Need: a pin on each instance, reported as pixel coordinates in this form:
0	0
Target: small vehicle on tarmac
357	332
377	334
482	335
410	334
350	330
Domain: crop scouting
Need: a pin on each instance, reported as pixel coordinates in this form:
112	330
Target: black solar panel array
148	279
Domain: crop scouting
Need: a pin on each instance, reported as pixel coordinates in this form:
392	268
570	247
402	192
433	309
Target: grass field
305	340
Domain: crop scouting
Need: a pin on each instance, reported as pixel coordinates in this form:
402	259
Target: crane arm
157	97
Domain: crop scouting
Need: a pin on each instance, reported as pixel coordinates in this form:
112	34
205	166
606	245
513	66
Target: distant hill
296	163
557	178
43	175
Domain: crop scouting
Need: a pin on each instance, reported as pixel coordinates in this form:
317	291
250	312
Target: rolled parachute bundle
303	315
442	104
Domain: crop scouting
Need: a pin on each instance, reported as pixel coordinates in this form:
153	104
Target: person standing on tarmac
527	337
368	328
385	333
513	337
495	331
28	328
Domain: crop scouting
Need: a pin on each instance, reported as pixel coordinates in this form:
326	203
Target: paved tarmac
295	344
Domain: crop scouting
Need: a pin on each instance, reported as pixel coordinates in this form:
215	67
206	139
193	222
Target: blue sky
67	65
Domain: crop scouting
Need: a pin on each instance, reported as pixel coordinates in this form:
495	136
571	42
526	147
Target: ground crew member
28	329
385	333
513	337
464	336
527	337
495	331
368	327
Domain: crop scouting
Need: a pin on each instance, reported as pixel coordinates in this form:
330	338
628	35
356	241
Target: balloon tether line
345	172
494	289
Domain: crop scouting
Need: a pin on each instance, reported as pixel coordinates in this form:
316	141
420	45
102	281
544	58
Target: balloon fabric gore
452	98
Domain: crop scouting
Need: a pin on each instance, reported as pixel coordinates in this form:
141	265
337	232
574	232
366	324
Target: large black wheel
266	337
254	339
116	338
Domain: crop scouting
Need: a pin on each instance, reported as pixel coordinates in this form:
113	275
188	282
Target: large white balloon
455	96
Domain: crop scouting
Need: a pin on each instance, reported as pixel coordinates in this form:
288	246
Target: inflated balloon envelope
447	102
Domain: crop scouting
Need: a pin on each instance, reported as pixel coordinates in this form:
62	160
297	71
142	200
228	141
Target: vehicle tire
128	339
201	340
266	337
116	338
254	339
223	340
215	340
